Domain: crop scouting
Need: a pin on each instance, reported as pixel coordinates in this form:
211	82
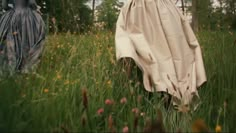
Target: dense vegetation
80	87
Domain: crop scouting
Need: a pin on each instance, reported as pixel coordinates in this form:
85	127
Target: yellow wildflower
218	129
199	126
109	82
59	76
46	90
66	82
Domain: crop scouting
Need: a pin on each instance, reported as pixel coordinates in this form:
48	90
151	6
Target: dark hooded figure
22	32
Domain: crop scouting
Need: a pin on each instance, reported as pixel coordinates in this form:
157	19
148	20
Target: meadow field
80	87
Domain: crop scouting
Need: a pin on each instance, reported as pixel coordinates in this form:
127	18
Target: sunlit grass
52	98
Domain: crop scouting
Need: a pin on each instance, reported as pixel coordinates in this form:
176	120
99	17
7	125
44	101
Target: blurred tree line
67	15
82	15
213	14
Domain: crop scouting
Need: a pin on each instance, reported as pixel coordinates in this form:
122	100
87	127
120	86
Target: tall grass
51	99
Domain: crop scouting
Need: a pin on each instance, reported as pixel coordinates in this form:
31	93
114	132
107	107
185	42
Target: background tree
71	15
204	11
108	12
93	8
223	16
195	15
201	14
230	10
76	15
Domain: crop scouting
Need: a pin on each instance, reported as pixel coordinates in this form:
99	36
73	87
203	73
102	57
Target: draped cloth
22	34
160	40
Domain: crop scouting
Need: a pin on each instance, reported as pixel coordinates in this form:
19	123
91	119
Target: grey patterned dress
22	32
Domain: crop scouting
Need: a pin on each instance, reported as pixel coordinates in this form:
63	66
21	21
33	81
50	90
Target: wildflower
59	76
123	100
142	114
97	36
46	90
85	98
125	129
218	129
100	111
135	110
109	102
109	82
66	82
199	126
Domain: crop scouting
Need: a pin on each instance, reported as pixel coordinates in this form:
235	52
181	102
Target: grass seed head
85	98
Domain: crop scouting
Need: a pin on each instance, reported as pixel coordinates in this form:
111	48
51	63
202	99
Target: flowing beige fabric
160	40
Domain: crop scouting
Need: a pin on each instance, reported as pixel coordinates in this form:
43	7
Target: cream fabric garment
160	40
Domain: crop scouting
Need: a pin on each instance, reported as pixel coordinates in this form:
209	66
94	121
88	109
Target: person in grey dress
22	35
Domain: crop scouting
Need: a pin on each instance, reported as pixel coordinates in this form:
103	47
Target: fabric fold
160	40
22	35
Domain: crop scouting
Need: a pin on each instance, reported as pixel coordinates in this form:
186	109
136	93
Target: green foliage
204	9
70	15
108	12
230	8
50	100
221	17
